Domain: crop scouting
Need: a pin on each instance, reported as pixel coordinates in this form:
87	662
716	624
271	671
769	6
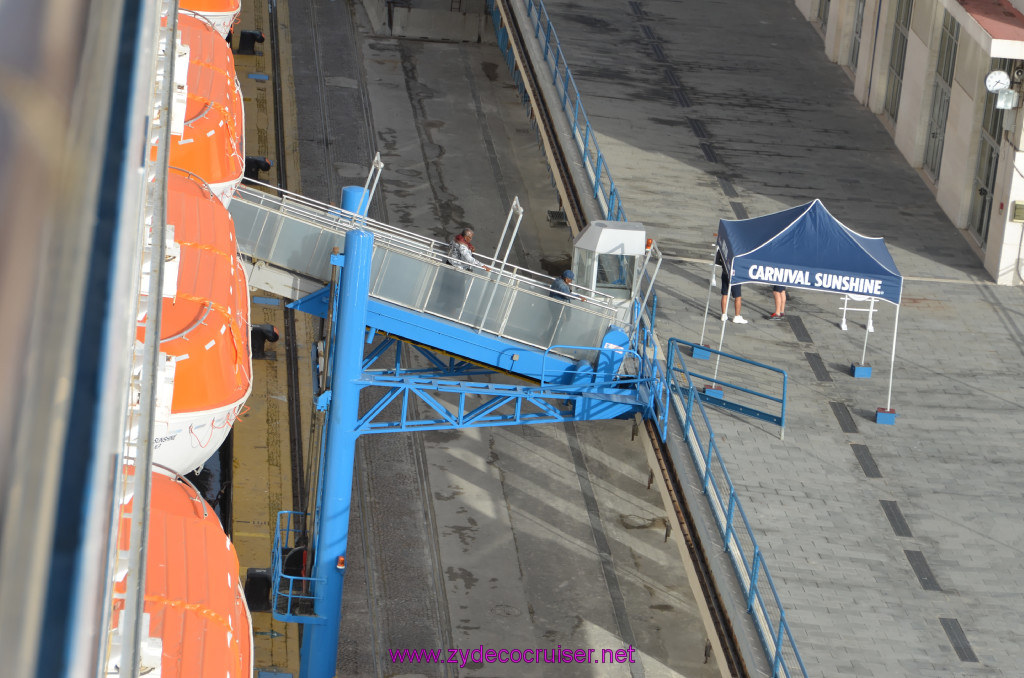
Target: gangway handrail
338	220
416	274
600	300
744	553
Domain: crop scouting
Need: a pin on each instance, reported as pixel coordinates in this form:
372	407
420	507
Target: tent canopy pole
867	331
892	358
707	306
721	337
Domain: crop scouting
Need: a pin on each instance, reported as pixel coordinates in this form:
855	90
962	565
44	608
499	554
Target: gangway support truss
481	404
554	384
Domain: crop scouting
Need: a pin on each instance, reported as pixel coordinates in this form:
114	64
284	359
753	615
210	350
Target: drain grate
557	218
896	519
844	417
681	97
727	188
866	461
699	130
799	329
818	366
659	53
923	572
709	152
958	639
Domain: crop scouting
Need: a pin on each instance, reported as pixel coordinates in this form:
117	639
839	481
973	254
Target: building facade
921	66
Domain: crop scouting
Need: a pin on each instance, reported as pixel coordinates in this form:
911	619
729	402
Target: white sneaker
725	316
739	320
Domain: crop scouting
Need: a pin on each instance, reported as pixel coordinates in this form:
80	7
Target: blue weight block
714	392
884	416
860	371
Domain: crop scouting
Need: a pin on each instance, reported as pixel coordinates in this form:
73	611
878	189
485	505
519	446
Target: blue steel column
355	199
319	650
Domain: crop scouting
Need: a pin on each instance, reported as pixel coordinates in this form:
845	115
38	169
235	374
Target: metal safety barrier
292	596
571	103
739	384
762	598
569	100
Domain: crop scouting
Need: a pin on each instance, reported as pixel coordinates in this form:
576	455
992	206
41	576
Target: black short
737	290
778	288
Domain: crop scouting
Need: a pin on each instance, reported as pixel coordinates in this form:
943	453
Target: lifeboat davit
195	612
204	328
208	141
222	14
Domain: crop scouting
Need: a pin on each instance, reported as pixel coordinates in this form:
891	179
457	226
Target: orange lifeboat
195	611
211	75
204	328
222	14
208	141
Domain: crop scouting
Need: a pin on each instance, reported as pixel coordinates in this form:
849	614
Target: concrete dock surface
896	549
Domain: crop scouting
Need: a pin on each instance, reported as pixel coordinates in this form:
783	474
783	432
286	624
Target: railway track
370	570
711	598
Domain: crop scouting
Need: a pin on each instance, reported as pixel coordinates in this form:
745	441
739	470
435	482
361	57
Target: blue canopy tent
805	247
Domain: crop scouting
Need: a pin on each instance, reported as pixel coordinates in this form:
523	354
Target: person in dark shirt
561	288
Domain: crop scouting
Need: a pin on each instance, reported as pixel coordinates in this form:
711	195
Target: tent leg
864	352
892	358
721	337
707	306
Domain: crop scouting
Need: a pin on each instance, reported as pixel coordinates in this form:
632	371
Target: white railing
411	270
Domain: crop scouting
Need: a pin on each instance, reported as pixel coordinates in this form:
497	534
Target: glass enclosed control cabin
609	258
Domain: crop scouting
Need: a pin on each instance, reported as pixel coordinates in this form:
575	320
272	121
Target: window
858	26
897	57
615	270
940	96
988	162
823	7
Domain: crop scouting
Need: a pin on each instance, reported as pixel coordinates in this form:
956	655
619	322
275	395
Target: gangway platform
497	314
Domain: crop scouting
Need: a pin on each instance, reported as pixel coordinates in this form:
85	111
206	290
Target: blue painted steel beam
319	650
724	404
423	328
439	368
480	347
522	404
